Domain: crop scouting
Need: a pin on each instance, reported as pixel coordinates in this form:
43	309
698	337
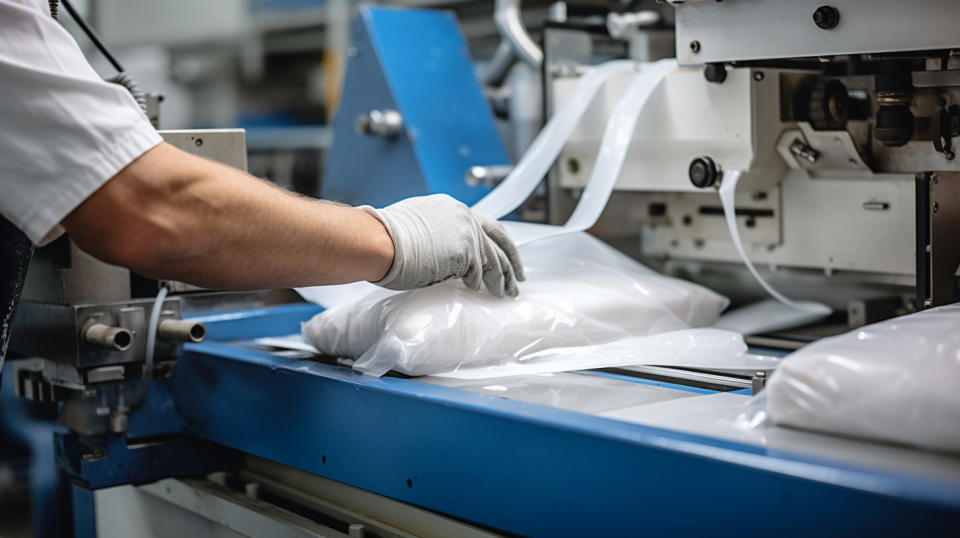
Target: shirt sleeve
64	132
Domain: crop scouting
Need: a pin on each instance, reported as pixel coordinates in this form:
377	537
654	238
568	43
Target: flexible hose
124	79
506	15
152	326
500	64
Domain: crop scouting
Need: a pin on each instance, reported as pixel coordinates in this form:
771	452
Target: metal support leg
938	228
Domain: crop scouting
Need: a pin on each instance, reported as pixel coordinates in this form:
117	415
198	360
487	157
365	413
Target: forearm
193	220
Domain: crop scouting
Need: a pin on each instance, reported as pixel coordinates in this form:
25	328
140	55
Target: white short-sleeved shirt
64	132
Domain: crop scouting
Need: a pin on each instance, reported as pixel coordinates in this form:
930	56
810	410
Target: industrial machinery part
432	116
386	123
894	91
85	322
703	172
116	338
826	17
827	105
944	127
15	253
938	221
182	331
506	15
837	112
489	176
715	72
746	31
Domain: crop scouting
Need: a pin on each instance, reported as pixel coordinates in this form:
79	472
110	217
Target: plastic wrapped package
895	381
579	292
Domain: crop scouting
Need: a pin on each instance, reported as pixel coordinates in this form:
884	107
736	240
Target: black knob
703	172
826	17
828	105
715	72
894	125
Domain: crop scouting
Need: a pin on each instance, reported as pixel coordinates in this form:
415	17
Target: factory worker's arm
173	215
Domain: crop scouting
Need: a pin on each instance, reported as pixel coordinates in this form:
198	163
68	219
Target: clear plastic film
893	381
579	292
766	315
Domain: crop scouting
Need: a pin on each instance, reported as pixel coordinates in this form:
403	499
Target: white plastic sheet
895	381
766	315
579	292
613	150
538	159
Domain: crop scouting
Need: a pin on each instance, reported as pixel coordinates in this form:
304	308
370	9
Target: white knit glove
437	238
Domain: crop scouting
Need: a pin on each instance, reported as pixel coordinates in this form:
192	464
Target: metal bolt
936	208
694	46
199	142
826	17
758	76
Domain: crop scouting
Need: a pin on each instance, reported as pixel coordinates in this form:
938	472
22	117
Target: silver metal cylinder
386	123
181	331
489	176
506	15
116	338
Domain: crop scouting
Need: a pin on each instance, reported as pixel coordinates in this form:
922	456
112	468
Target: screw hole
409	482
323	458
573	166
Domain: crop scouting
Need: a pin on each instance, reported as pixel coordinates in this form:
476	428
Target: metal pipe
182	331
116	338
499	65
506	14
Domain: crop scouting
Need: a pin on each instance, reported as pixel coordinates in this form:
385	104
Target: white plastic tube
728	189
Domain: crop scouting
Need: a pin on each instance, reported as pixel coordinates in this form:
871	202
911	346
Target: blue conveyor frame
510	465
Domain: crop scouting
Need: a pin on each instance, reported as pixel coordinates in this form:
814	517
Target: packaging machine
842	119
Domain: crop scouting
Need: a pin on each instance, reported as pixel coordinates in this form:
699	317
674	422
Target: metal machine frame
508	465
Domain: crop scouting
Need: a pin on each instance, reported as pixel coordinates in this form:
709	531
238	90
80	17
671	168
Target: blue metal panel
250	324
107	462
416	62
530	469
84	512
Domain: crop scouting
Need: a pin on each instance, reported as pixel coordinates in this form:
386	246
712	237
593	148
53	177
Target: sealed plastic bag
897	380
579	292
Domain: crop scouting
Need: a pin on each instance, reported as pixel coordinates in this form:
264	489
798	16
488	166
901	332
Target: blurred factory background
273	67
